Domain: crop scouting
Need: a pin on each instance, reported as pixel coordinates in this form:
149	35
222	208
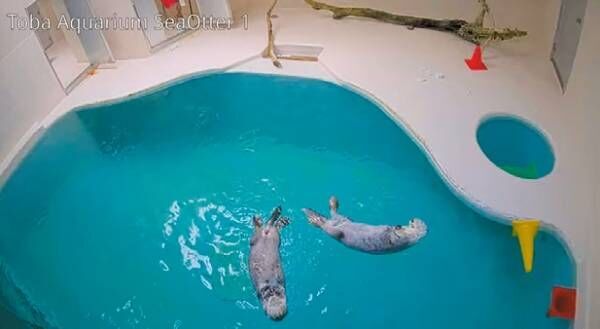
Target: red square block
563	303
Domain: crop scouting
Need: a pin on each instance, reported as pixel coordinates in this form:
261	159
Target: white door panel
215	8
566	40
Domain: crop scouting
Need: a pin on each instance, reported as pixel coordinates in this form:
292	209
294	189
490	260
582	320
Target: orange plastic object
475	63
563	303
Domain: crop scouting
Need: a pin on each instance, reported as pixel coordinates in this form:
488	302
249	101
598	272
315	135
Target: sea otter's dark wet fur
265	265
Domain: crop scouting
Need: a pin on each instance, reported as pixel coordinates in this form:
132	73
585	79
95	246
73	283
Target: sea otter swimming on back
265	265
374	239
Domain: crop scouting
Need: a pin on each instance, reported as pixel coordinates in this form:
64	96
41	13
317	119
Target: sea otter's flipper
314	217
334	204
335	217
274	215
320	221
257	224
256	221
281	222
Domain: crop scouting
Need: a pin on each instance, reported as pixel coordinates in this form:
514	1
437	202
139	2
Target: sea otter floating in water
265	265
374	239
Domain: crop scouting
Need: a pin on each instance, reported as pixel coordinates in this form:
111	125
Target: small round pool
515	146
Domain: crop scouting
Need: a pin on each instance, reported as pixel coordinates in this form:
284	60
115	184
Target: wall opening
516	147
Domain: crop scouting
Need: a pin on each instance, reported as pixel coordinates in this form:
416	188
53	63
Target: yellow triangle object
525	230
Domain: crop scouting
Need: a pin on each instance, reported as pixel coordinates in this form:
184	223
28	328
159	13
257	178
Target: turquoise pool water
138	214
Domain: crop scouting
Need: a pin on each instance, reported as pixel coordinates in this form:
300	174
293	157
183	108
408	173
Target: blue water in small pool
515	146
138	215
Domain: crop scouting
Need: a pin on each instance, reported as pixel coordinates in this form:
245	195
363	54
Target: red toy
475	63
563	303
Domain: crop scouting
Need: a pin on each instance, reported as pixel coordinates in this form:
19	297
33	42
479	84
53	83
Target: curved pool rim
469	200
535	129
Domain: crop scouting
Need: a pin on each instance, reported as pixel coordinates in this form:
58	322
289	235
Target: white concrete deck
398	67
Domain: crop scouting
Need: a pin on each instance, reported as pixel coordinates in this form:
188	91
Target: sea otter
374	239
265	265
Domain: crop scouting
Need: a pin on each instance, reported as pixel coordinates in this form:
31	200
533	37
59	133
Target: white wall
28	86
47	11
239	7
583	98
29	89
124	44
60	10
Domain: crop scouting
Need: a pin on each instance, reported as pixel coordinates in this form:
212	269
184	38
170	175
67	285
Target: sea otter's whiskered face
402	237
398	231
411	233
274	301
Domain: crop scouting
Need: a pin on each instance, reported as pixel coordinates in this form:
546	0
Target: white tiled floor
64	63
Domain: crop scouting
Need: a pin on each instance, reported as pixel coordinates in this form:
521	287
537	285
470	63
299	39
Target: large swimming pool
137	214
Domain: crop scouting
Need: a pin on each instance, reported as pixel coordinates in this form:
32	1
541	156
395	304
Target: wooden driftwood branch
473	32
269	52
485	9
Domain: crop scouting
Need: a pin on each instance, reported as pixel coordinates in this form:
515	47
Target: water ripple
191	257
210	240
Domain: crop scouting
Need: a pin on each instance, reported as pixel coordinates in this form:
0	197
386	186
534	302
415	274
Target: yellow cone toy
525	230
